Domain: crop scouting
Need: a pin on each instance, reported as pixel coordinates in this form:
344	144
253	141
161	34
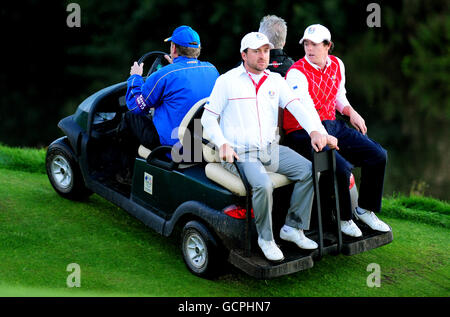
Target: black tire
200	250
63	171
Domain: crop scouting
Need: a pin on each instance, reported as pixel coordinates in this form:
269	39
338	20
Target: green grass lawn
42	233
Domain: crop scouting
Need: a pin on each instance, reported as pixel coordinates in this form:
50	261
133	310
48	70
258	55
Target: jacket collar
277	52
241	70
185	60
316	66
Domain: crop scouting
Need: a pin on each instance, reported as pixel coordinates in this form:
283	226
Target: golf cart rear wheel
200	250
63	171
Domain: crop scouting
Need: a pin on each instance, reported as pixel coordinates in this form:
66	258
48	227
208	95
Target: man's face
256	60
317	53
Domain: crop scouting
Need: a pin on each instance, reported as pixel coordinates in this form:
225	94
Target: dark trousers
133	131
355	150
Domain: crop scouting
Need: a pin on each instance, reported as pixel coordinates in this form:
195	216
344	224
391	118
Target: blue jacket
172	91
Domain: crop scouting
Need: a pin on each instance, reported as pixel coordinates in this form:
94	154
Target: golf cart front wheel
63	171
200	250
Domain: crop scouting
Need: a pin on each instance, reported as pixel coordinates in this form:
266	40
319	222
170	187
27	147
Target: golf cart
192	191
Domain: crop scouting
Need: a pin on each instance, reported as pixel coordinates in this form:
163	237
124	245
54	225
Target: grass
22	159
42	233
418	208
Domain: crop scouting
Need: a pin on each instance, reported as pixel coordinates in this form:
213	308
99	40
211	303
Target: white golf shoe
370	219
270	250
298	237
350	228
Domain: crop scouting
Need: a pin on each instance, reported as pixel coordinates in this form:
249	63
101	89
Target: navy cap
185	36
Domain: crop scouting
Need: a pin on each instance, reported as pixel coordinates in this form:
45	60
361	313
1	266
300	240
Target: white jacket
249	112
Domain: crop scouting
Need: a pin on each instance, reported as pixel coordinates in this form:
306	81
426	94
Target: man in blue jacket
171	91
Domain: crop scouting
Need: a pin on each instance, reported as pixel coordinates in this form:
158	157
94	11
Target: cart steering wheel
159	61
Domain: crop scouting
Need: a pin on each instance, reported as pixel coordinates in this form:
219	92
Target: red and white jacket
324	89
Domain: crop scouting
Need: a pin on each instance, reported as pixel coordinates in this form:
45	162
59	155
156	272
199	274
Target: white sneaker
270	250
298	237
350	228
370	219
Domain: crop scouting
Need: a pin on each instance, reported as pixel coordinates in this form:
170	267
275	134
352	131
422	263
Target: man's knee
263	188
383	155
379	156
343	168
304	170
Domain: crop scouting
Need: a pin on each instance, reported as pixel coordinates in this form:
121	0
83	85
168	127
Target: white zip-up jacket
248	111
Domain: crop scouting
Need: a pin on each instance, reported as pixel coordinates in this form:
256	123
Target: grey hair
275	29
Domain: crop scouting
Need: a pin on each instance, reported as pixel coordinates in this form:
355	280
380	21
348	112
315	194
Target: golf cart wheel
200	250
63	171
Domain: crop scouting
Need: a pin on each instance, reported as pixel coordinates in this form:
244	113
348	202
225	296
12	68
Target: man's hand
358	122
168	59
227	153
355	119
318	140
137	69
332	142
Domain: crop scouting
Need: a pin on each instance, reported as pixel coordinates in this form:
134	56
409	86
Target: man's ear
244	56
330	45
173	51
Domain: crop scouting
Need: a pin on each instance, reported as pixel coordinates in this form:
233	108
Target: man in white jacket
246	99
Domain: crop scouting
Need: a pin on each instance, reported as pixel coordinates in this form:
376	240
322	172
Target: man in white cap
246	99
319	80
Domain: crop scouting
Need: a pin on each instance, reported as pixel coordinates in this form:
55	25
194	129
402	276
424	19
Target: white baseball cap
316	33
254	40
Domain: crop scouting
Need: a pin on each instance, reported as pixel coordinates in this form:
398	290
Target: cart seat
216	172
185	125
